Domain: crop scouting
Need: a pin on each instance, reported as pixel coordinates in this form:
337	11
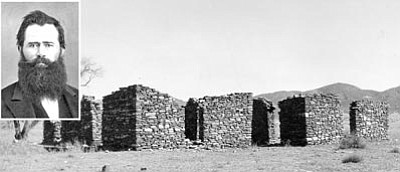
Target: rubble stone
311	119
220	121
369	119
85	131
139	117
265	123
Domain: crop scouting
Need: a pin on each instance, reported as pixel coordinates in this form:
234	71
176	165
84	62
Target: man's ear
62	52
19	49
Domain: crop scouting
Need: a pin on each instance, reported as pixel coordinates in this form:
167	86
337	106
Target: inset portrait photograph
39	60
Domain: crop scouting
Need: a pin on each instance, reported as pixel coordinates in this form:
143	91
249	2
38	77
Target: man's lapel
71	97
23	108
19	106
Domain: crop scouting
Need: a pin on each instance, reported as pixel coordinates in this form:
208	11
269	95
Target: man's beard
42	78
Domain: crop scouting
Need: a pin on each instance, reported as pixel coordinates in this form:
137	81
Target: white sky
193	48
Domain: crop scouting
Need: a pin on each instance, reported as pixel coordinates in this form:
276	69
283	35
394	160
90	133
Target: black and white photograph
40	57
200	85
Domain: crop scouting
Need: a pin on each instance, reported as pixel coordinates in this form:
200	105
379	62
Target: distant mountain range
347	93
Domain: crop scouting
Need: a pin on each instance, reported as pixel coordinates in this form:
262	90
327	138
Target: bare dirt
30	157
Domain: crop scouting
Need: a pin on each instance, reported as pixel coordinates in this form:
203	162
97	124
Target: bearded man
41	90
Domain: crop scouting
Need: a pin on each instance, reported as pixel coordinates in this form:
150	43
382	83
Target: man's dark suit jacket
14	105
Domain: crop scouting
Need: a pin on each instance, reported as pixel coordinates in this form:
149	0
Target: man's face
41	41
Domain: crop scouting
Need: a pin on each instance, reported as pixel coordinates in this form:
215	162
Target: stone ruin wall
137	117
57	132
369	119
85	131
311	119
51	132
265	123
91	116
220	121
141	117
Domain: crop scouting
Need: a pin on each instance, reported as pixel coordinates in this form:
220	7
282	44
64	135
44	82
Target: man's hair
40	18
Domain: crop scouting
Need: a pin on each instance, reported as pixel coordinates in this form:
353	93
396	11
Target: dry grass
375	157
26	147
309	158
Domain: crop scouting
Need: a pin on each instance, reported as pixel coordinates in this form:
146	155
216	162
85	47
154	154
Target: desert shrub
73	146
395	150
352	158
352	141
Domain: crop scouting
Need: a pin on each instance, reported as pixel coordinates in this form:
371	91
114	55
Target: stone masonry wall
311	119
369	119
137	117
265	123
220	121
86	131
51	132
91	113
57	132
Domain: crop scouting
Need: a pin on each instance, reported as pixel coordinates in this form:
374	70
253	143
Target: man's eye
31	45
48	45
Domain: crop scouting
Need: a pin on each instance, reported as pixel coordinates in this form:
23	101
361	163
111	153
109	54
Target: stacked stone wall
265	123
220	121
56	132
137	117
91	124
311	119
85	131
51	132
369	119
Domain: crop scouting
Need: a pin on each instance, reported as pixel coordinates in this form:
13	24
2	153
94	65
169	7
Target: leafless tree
23	134
89	71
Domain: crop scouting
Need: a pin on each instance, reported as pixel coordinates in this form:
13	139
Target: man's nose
40	51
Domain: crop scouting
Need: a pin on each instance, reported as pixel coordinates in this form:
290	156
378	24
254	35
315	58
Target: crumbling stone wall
265	123
85	131
137	117
51	132
56	132
220	121
311	119
369	119
91	124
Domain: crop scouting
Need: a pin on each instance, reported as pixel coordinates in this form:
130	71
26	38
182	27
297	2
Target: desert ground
28	156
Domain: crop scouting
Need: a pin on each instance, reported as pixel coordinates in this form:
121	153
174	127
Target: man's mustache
40	62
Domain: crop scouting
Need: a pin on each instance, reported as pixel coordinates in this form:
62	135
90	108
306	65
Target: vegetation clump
352	158
352	141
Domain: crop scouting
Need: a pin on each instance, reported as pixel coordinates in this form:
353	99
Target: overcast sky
193	48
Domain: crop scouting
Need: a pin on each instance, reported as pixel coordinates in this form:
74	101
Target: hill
179	101
346	93
393	97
